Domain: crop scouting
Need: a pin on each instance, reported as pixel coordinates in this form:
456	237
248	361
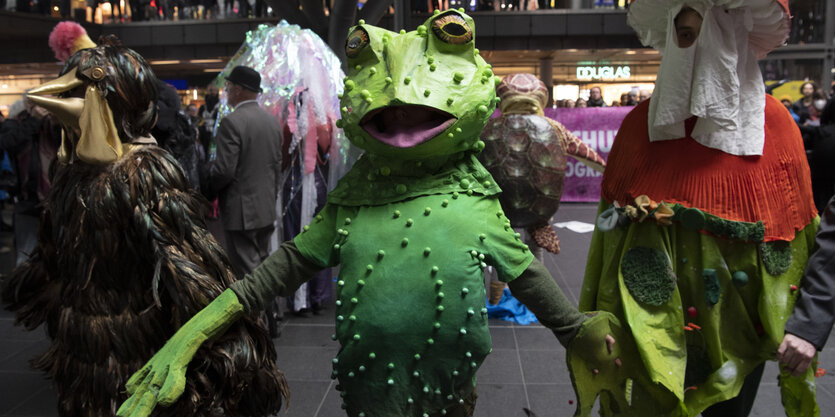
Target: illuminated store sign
603	72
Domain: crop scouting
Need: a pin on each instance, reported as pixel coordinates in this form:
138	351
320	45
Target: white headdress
717	78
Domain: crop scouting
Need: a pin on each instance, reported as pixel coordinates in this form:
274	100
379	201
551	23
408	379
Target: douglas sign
603	72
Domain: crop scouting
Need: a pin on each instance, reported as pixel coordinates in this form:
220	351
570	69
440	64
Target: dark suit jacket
246	171
814	312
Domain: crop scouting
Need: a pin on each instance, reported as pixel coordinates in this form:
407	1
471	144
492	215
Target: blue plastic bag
510	309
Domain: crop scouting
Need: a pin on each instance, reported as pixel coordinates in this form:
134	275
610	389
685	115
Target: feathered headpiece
119	97
68	38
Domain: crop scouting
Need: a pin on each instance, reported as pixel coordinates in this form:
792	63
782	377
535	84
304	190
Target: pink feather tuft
63	37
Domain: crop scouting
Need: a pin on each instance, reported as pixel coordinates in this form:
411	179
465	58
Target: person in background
191	111
116	11
138	9
819	299
813	115
193	116
569	103
802	106
208	114
174	133
596	97
820	149
32	138
208	9
246	171
643	96
786	100
581	103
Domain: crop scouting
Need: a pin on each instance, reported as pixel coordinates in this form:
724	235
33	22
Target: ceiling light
205	61
175	61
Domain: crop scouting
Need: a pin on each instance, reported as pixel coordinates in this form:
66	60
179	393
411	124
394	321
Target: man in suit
246	171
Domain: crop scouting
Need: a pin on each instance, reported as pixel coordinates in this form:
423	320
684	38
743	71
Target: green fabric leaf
798	393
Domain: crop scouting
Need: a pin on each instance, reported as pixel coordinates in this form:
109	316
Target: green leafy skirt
698	312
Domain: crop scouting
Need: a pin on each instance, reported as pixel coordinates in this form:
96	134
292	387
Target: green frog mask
402	100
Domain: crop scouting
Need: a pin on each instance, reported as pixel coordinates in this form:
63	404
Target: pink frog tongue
406	126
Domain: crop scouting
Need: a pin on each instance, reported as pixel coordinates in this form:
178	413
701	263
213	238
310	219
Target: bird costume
412	225
124	257
703	232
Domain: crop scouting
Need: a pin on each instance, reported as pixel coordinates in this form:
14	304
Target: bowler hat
246	77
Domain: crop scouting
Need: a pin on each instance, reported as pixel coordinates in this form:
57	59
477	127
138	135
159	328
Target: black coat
814	311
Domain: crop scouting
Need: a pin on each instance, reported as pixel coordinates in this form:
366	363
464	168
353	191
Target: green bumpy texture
418	68
410	313
731	337
648	275
162	379
413	228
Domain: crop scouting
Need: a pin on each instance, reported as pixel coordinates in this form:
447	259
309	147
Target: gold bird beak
67	110
59	85
88	119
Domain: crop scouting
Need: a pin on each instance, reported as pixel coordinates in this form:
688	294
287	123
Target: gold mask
89	119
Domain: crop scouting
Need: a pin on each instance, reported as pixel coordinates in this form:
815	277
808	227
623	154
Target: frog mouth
407	125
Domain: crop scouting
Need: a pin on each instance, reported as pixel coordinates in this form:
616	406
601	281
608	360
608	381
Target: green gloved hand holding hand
163	379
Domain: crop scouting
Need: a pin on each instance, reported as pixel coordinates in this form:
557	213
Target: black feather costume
123	260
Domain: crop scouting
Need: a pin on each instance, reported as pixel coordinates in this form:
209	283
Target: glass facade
792	69
808	21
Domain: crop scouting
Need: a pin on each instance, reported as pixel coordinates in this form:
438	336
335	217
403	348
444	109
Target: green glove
163	379
594	362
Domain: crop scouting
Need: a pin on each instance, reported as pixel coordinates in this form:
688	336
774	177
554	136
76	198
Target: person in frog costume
412	225
706	225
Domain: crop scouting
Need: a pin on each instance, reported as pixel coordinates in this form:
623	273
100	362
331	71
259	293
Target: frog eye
357	40
452	28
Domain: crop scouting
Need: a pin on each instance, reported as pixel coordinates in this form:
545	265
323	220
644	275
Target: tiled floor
525	370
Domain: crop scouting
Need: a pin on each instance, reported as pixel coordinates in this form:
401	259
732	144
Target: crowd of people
595	99
142	10
118	11
814	114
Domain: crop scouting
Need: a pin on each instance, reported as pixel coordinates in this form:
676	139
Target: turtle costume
526	153
123	256
412	225
700	246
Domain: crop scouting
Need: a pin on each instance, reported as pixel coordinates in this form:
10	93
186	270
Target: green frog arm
162	380
537	290
281	274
